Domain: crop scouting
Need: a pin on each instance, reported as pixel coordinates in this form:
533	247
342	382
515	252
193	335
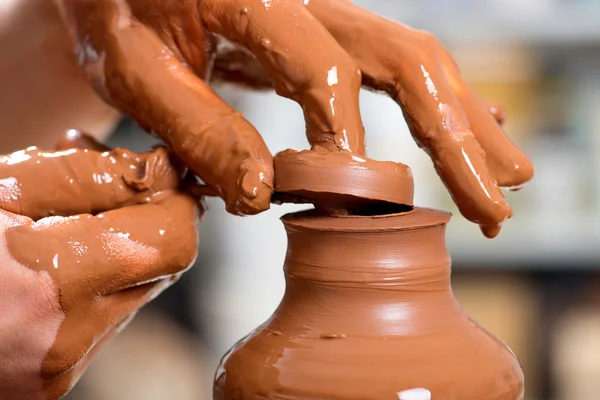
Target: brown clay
369	313
340	179
152	58
77	181
95	270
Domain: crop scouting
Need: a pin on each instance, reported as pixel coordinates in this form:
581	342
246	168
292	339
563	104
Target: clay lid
340	179
417	218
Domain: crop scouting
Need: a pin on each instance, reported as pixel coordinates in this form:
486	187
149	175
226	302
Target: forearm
43	94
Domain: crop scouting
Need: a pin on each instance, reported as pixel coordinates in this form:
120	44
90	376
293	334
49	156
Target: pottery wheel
340	180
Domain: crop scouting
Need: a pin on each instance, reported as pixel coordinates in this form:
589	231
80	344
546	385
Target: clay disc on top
340	179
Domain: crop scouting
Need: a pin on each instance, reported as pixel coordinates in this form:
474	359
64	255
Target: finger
145	78
302	60
452	70
112	251
74	139
40	184
506	162
438	124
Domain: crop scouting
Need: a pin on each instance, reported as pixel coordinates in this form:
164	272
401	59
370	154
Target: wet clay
99	269
369	313
77	181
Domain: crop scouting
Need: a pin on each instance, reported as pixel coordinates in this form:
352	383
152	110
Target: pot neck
402	251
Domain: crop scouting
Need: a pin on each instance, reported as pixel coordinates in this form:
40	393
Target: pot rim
417	218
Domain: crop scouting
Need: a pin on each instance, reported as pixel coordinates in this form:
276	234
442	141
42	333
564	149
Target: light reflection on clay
415	394
468	160
429	83
15	158
83	175
332	76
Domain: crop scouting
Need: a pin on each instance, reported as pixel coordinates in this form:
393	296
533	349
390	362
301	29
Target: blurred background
537	286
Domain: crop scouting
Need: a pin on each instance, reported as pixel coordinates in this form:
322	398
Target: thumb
38	184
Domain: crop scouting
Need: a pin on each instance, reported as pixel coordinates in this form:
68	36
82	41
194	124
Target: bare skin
43	91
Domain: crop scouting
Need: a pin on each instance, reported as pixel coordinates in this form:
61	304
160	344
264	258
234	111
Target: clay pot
369	313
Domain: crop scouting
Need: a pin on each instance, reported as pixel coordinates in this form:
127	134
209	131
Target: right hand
152	59
70	283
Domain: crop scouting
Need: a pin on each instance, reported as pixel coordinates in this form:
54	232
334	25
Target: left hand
88	238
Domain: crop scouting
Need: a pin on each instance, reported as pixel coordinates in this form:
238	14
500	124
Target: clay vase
369	313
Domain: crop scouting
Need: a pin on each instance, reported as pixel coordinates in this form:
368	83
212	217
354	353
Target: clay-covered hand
460	132
71	280
43	94
152	59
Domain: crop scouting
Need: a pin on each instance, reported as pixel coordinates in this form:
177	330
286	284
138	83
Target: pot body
368	313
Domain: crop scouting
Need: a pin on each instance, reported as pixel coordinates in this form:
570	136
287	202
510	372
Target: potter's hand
151	58
460	132
68	284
